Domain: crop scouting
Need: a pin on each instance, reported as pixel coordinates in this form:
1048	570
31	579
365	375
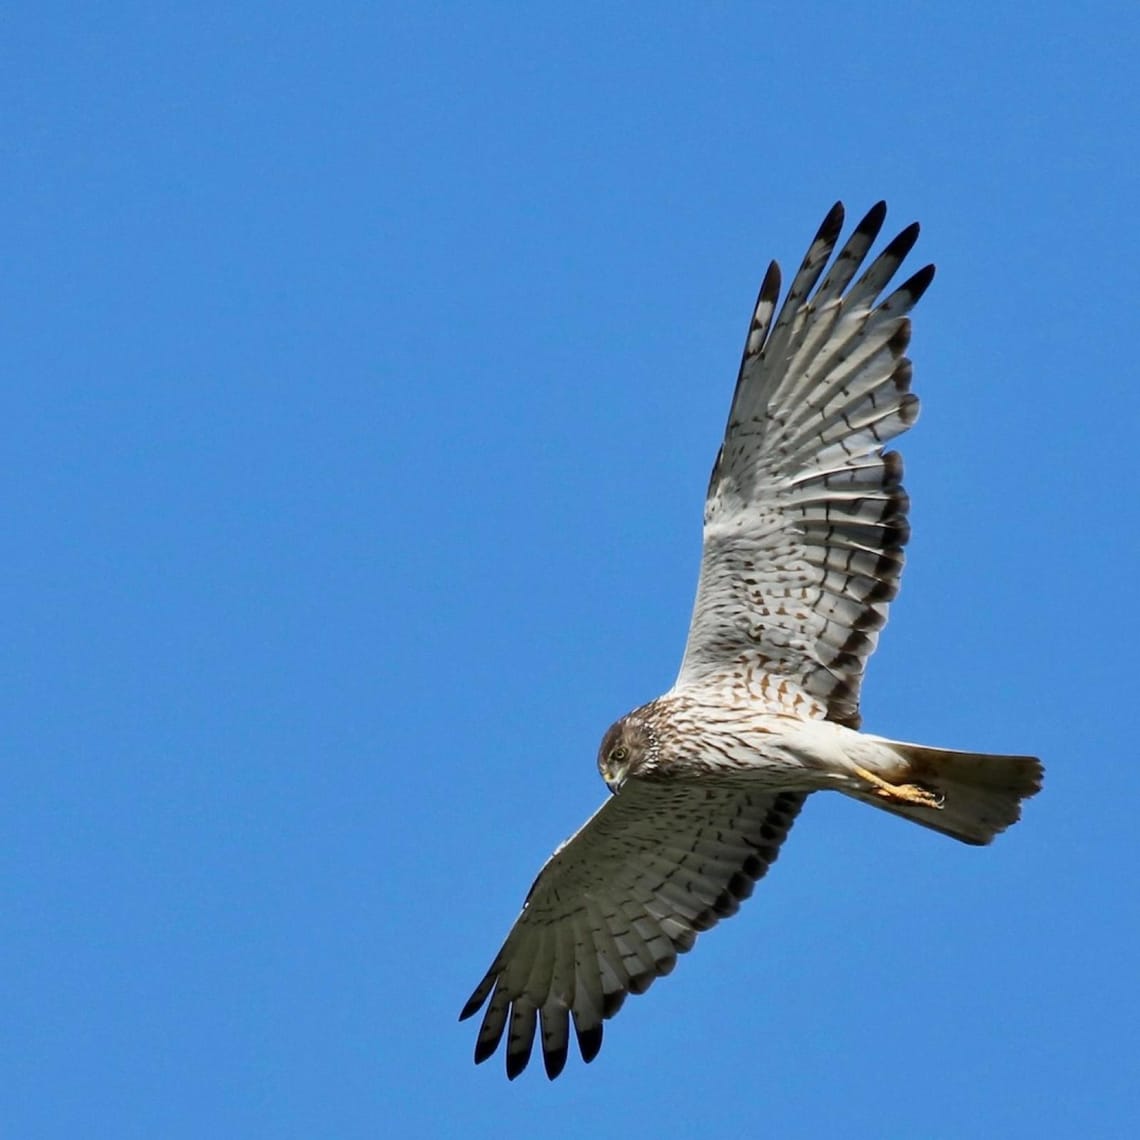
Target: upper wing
805	519
616	904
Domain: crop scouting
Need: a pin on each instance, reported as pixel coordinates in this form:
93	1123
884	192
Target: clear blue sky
361	377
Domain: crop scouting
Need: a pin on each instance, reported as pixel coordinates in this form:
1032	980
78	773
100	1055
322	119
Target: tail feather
981	794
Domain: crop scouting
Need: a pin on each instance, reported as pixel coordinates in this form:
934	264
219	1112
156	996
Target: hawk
804	528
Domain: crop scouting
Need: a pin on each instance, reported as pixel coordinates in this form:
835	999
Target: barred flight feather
629	922
801	474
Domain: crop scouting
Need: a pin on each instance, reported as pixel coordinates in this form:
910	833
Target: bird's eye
620	754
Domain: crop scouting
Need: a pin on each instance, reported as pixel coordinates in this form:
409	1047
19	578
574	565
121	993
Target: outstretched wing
806	517
614	906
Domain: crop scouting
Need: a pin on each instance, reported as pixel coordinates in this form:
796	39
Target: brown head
629	748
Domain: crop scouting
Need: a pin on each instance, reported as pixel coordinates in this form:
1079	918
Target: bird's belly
764	750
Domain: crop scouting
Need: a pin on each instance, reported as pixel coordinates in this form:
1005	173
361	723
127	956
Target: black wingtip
901	245
516	1063
919	282
554	1060
589	1041
873	220
770	286
474	1004
832	224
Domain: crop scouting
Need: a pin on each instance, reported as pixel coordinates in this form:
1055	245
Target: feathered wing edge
616	904
830	379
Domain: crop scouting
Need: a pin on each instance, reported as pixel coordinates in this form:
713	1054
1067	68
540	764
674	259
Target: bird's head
629	747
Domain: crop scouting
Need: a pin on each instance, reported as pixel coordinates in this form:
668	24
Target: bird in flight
804	529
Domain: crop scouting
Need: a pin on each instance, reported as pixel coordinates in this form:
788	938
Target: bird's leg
900	793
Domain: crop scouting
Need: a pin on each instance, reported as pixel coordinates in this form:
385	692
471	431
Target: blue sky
362	372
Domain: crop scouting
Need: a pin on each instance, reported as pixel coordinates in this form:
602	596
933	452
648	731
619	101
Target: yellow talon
900	793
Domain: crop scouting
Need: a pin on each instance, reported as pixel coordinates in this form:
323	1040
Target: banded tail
981	794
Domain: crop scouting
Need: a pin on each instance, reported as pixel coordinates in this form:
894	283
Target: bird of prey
804	528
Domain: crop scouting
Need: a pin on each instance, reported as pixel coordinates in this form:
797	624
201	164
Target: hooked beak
616	781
